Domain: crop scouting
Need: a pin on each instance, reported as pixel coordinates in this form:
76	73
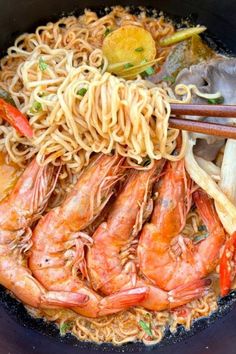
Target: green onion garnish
218	100
64	327
107	31
36	107
128	65
170	79
82	91
150	71
42	94
146	327
42	64
139	49
143	61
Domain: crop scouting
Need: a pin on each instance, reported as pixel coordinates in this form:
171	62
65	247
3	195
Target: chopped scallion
42	94
146	327
64	327
128	65
82	91
219	100
42	64
36	107
150	71
169	79
143	61
107	31
139	49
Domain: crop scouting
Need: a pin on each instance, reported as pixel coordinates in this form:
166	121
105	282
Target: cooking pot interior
19	16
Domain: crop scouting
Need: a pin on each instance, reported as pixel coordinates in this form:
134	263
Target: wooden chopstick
223	111
204	110
225	131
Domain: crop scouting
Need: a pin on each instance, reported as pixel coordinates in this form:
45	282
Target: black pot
19	333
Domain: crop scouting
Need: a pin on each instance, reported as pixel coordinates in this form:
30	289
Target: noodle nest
45	74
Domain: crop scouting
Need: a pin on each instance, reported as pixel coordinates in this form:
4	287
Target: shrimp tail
63	298
188	292
122	300
206	208
27	289
227	265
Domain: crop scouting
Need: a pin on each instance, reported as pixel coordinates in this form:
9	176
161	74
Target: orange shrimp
228	265
107	269
165	256
25	202
125	220
56	252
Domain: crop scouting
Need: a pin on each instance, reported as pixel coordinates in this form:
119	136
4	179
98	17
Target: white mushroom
228	179
225	208
210	168
218	75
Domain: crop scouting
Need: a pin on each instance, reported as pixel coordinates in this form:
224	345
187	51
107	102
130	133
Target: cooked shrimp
228	265
113	239
56	251
26	201
125	220
165	256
